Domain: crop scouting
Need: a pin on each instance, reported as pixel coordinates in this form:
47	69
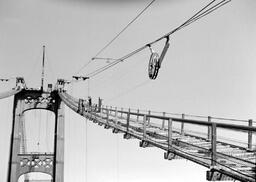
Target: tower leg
13	170
59	144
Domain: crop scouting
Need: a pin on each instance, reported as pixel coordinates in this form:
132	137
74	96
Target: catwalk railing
211	144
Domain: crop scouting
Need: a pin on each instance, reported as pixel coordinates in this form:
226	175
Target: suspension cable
200	14
128	90
112	40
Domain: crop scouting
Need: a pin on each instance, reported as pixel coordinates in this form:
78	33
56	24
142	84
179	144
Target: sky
208	70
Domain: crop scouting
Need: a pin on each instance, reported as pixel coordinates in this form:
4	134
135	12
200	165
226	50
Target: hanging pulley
153	65
155	61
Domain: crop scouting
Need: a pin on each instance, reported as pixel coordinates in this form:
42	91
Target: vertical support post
214	143
128	120
122	112
59	144
209	128
149	112
101	111
116	116
79	111
138	111
182	125
99	104
107	116
250	135
163	121
169	134
13	169
144	126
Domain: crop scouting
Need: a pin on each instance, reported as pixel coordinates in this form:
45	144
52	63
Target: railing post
214	143
110	110
144	126
182	125
169	134
122	112
209	128
101	110
128	120
116	116
250	135
163	121
138	111
107	116
149	112
99	104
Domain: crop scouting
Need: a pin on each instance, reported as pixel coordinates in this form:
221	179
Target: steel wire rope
111	78
133	20
128	90
114	78
113	39
200	14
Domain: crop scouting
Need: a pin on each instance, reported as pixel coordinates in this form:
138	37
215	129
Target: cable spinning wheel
153	65
155	61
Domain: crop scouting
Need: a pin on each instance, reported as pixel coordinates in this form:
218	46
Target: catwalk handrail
190	121
189	115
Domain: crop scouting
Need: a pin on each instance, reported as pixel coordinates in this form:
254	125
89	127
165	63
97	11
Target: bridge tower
49	163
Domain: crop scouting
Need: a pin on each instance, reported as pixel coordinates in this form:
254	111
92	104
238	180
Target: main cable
200	14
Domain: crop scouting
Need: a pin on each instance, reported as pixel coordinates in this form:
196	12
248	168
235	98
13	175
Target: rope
111	41
84	66
129	90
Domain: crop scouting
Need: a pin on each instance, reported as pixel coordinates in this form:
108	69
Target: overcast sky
208	70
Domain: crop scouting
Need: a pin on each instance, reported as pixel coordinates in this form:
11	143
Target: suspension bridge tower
21	162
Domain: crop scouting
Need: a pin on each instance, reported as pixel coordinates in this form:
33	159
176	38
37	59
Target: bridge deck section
225	160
